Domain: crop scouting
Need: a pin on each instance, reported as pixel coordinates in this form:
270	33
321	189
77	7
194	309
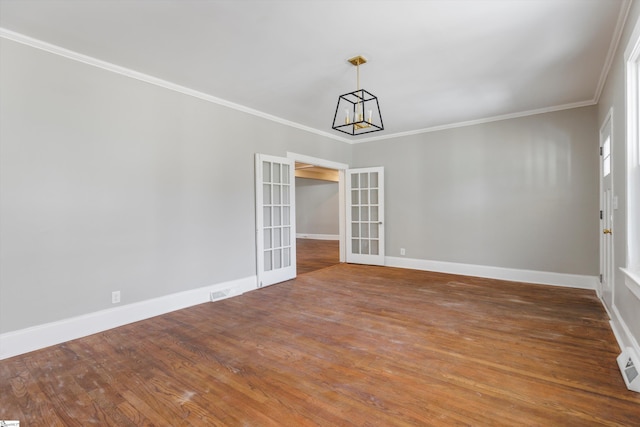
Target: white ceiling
432	63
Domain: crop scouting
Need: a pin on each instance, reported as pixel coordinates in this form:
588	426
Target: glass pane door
275	218
365	216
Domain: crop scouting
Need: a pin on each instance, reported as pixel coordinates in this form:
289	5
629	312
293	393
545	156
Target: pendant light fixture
358	112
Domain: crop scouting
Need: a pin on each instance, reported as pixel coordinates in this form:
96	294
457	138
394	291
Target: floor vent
630	368
216	295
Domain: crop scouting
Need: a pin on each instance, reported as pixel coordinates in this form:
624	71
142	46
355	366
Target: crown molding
481	121
613	47
89	60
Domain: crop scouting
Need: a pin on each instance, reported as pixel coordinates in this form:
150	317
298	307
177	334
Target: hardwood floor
315	254
344	345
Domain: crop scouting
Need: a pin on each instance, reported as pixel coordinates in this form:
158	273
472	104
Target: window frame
632	101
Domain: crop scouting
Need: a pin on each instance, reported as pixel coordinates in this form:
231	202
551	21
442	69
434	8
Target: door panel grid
365	216
364	208
275	220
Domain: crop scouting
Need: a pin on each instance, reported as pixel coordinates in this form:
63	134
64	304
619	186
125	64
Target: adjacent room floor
313	254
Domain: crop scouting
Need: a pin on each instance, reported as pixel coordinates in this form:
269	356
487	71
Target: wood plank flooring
345	345
313	254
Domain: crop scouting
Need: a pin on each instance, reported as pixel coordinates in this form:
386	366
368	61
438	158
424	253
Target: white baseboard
622	332
41	336
620	328
511	274
318	236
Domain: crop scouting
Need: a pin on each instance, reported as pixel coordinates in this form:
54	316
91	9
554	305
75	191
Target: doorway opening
361	212
320	216
317	217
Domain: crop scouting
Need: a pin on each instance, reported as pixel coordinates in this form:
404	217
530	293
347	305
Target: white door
365	215
606	208
275	219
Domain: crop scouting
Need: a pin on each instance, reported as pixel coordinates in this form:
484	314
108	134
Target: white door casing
341	168
606	207
275	219
365	215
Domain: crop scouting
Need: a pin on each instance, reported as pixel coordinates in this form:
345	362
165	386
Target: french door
365	215
275	219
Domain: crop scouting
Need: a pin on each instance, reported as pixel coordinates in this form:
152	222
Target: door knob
607	231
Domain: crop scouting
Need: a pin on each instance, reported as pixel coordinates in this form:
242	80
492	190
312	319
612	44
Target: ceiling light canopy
358	112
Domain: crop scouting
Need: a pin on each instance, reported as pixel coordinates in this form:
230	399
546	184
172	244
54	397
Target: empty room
320	213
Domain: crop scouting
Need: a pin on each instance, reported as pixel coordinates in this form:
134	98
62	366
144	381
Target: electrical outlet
115	297
402	251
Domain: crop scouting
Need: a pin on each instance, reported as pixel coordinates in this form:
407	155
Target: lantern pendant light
358	112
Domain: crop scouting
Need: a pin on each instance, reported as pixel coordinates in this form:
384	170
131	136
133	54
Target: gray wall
518	193
109	183
619	299
317	208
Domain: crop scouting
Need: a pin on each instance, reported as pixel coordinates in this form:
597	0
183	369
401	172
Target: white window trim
632	77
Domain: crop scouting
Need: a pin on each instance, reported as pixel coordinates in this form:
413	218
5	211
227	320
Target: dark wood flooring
346	345
315	254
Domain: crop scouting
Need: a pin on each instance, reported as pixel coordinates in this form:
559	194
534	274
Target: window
606	157
632	61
